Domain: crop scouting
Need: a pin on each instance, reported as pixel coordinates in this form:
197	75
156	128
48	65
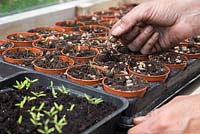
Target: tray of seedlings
78	54
36	103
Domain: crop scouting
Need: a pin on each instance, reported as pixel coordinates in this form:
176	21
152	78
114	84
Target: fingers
148	47
141	39
129	20
128	37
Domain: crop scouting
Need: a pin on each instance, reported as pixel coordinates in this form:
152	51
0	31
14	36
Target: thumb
136	15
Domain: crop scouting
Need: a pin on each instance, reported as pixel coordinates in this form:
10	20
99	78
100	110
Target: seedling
22	103
52	112
46	129
40	94
94	101
59	123
24	84
31	98
54	93
58	107
63	90
71	108
19	121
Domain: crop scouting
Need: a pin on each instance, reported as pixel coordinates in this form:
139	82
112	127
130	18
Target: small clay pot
82	59
3	49
106	14
54	71
23	43
189	56
20	61
117	8
50	28
34	44
84	29
180	66
98	38
108	22
158	78
68	28
126	94
82	81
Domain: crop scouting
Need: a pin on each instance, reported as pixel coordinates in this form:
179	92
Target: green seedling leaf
94	101
19	121
71	108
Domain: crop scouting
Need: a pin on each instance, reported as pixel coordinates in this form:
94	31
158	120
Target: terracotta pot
181	66
53	28
98	38
3	49
108	22
189	56
34	44
83	29
158	78
117	8
81	81
81	17
68	29
126	94
83	59
20	61
106	14
54	71
23	43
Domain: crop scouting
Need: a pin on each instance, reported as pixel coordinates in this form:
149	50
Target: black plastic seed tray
156	95
104	126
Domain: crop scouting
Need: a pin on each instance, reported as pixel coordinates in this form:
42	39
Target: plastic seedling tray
103	126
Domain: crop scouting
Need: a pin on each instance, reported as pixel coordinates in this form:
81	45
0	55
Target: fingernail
117	31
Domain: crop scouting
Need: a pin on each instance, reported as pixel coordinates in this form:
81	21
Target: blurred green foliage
15	6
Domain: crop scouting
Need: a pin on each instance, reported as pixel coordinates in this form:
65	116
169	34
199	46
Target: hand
165	23
180	116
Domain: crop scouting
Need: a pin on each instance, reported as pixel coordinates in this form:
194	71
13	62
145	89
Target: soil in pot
21	37
27	54
186	49
70	25
195	39
169	58
76	114
78	53
126	83
51	44
86	18
108	22
86	72
5	45
51	61
94	30
72	38
148	68
47	31
100	42
115	63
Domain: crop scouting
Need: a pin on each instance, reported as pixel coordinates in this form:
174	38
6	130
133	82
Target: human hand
165	22
180	116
